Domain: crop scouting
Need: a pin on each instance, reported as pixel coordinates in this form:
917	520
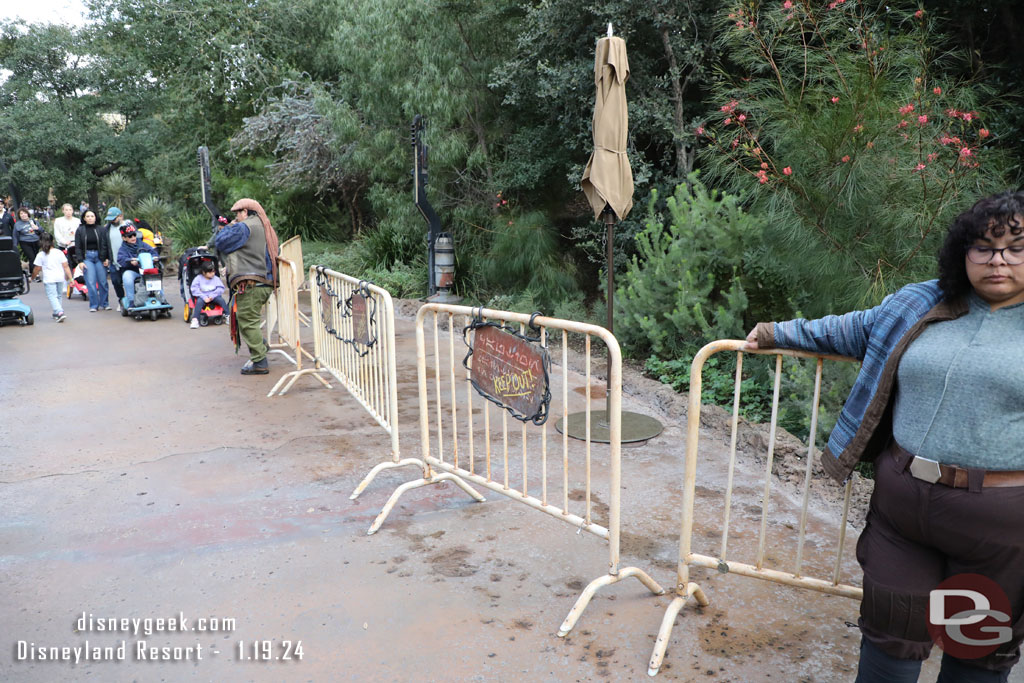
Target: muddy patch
596	391
453	563
418	543
718	638
648	549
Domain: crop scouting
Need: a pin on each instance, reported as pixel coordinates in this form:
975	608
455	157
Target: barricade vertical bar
588	428
842	531
732	452
437	386
487	429
469	408
565	421
487	436
504	443
810	461
766	498
544	438
421	384
373	364
451	367
526	491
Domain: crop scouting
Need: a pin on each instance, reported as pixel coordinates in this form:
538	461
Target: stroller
148	297
190	266
13	281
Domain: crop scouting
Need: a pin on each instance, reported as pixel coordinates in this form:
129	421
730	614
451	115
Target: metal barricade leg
289	378
409	485
377	469
608	579
669	620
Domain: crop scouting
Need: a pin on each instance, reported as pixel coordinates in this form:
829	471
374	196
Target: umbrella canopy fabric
608	178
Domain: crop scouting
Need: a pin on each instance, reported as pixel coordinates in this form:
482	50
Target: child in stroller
207	297
190	270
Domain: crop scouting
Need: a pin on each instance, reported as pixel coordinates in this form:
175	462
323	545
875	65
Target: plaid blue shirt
869	336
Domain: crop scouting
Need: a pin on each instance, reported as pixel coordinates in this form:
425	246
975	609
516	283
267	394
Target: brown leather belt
951	475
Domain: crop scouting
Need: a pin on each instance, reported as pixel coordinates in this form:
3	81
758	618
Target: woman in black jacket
92	243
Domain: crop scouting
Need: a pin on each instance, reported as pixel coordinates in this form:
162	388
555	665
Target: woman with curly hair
938	406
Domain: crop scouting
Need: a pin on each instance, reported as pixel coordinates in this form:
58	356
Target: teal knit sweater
960	390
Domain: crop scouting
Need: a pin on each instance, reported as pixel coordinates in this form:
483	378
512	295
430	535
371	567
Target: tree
856	150
55	128
189	71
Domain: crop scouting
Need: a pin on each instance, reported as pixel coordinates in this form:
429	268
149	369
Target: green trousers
250	304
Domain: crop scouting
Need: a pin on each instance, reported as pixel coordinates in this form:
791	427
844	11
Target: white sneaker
194	324
118	307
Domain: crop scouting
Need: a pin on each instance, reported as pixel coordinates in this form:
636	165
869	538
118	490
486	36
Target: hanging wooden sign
360	319
510	370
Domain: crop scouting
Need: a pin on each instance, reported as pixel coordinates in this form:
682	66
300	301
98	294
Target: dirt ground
142	477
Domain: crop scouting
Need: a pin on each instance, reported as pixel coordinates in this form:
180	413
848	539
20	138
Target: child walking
207	288
54	267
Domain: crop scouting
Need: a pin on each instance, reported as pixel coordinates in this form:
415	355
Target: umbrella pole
609	222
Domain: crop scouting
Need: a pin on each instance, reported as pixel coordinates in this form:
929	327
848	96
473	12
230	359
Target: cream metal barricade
465	453
368	372
291	249
684	588
283	318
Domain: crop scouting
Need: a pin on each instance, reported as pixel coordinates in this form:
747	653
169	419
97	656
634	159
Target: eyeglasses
1014	256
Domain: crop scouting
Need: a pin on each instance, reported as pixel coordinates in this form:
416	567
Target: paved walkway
142	477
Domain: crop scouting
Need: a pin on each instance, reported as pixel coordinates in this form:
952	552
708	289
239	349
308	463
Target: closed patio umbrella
608	179
608	184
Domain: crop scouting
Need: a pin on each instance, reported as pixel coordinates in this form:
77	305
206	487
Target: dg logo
969	616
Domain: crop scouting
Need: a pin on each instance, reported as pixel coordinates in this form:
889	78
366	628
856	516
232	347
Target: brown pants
917	535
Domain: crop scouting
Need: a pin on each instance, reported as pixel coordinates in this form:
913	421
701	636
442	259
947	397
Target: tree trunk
684	158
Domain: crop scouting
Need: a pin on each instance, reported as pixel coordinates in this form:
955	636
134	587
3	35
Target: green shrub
118	190
188	229
855	150
526	257
155	211
796	390
684	286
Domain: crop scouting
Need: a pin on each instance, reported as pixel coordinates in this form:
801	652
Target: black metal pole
609	222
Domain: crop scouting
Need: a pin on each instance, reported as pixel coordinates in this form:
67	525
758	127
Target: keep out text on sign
509	370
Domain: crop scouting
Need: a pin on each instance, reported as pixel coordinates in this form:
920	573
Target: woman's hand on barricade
752	339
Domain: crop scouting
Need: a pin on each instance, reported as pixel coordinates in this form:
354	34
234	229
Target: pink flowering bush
854	152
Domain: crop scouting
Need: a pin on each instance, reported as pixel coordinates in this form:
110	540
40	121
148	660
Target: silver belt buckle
925	469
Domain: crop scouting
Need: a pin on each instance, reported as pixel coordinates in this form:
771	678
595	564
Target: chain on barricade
509	368
360	307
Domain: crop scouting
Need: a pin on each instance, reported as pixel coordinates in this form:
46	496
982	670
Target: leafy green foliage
796	389
117	189
525	256
155	211
188	229
685	286
718	381
401	280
